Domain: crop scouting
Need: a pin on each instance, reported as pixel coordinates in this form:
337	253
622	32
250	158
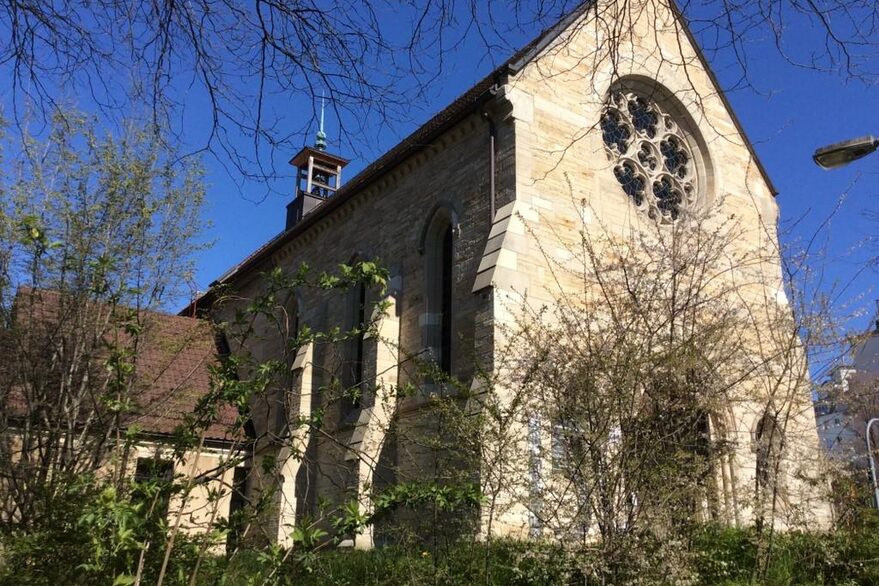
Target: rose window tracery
651	158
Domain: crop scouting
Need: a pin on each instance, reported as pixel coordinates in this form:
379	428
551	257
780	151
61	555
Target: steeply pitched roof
172	357
461	107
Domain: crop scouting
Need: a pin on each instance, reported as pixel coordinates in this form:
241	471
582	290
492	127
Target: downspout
492	136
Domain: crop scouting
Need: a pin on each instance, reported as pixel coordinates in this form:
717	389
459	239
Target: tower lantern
318	176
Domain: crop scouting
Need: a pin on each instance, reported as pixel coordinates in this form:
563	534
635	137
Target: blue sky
797	111
787	113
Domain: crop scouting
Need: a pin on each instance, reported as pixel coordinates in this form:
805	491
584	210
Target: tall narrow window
237	504
535	516
354	360
439	249
288	329
360	325
769	444
702	449
291	322
445	354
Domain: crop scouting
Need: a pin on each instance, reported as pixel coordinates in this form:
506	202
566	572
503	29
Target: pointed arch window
354	362
291	322
706	446
769	443
445	294
286	327
359	324
439	248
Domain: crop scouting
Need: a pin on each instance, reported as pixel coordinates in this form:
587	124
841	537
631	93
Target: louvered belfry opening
318	177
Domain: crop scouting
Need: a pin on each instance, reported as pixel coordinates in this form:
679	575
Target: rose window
652	161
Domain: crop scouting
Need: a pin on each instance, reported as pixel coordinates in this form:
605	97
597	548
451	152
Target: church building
471	215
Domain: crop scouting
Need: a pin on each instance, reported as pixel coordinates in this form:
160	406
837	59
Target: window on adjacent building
152	486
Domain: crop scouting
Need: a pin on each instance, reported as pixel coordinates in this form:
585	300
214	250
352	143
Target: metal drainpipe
492	137
492	133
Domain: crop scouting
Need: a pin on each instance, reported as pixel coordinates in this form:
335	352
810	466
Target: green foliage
719	556
113	218
511	562
93	229
96	535
445	497
729	556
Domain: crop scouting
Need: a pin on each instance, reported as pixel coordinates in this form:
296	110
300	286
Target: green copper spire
321	142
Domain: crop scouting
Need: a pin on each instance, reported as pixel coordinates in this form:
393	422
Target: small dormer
318	177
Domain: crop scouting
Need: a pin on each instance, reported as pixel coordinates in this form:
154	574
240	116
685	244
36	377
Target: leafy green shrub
716	556
498	562
97	536
729	556
94	534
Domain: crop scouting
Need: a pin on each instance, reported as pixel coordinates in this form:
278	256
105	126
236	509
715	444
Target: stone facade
517	167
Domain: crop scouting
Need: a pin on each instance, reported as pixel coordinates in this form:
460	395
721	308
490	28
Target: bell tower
318	175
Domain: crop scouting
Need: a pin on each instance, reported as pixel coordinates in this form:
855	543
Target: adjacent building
847	401
68	410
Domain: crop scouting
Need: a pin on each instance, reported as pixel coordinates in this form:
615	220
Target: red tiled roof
172	355
172	371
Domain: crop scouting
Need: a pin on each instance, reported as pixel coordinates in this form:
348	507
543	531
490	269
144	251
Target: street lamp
843	153
872	460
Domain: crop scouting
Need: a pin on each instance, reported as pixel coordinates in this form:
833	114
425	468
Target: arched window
353	363
439	249
290	323
678	441
768	445
286	328
705	446
535	469
359	324
654	149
